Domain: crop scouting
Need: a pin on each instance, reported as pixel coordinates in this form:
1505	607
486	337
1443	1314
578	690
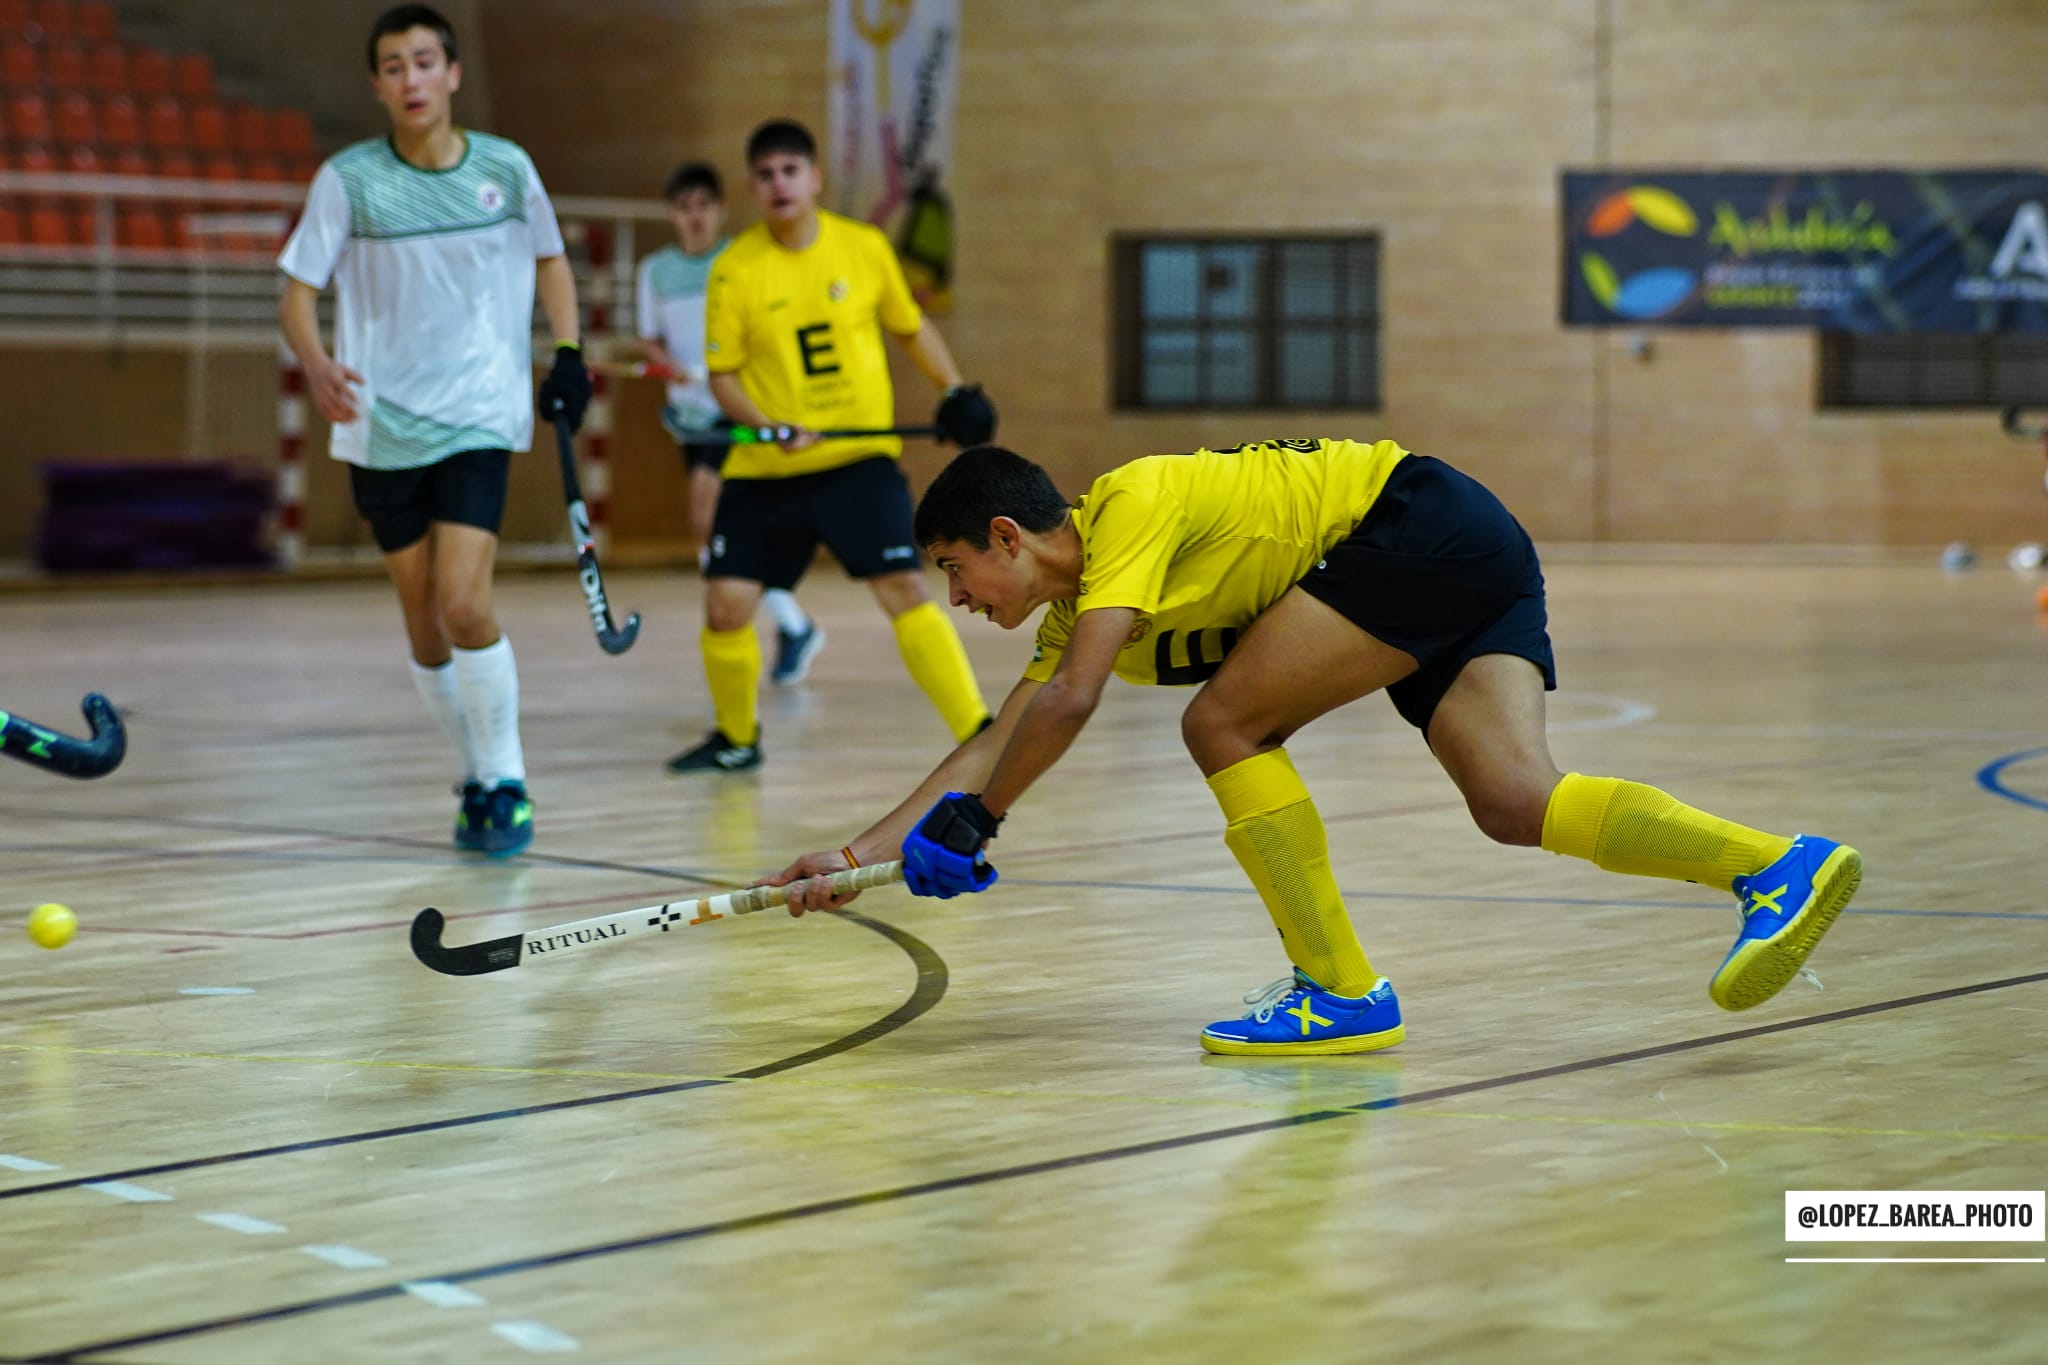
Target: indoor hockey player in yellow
1287	578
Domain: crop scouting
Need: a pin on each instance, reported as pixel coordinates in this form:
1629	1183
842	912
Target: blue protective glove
942	857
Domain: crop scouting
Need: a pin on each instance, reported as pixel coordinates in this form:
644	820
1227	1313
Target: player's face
786	186
699	219
992	582
415	81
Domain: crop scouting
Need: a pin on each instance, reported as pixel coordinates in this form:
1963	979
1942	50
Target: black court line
932	978
844	1203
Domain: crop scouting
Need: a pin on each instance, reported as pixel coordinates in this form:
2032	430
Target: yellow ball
52	925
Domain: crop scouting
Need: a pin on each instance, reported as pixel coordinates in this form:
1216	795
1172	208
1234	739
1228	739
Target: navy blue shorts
1441	570
467	488
768	530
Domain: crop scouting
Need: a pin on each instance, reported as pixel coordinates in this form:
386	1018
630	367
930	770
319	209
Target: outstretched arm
1037	724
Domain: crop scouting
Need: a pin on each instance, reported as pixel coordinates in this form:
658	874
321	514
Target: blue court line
1991	778
1581	901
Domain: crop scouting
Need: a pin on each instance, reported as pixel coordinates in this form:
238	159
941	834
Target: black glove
965	416
566	390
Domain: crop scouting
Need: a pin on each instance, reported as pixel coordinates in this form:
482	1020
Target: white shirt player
670	309
434	281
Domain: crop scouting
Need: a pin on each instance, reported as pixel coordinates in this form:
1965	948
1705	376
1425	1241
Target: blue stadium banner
1857	251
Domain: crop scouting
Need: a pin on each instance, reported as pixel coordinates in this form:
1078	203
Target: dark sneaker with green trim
718	754
469	817
508	819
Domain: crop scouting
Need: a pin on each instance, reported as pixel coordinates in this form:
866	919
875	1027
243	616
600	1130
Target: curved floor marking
932	979
1991	777
1627	711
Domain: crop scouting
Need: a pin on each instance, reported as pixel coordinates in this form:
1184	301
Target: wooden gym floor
238	1123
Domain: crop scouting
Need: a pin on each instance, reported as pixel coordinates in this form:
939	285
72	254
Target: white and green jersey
433	274
670	309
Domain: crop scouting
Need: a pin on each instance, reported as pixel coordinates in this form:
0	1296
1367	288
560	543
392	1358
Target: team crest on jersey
836	291
1139	630
490	197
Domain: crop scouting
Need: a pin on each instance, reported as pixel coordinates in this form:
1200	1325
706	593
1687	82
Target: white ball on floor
1958	555
2027	556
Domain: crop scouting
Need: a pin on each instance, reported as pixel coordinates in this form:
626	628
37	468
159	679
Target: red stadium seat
95	20
34	156
209	128
149	71
291	132
82	159
12	230
21	65
251	130
28	117
49	224
177	165
142	226
77	120
192	76
106	69
301	169
264	169
164	125
131	161
121	122
57	21
64	66
15	17
221	166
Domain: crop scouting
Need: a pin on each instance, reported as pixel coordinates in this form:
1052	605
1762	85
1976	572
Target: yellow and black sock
938	663
1626	827
1278	838
732	670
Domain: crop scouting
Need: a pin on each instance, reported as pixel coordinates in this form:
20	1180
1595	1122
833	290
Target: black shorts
467	488
1440	570
768	530
705	455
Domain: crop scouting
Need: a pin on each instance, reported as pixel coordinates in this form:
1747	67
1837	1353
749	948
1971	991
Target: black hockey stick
500	954
612	638
60	753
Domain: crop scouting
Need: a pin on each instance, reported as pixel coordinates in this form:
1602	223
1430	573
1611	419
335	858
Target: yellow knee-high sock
1278	838
932	652
1640	831
732	668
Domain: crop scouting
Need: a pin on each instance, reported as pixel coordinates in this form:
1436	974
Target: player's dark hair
981	484
781	135
402	18
694	175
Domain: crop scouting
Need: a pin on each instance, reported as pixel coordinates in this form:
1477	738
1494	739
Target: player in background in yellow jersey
1287	578
793	337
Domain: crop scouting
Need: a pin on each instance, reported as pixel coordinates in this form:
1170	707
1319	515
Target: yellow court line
1701	1125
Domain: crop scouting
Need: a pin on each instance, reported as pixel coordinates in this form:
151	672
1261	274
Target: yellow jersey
803	330
1200	544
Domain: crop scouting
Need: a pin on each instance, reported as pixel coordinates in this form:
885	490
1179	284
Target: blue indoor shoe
1294	1017
469	817
508	819
794	650
1785	909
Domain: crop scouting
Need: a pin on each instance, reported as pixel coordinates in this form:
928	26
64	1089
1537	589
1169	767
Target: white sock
781	604
444	704
489	681
703	558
